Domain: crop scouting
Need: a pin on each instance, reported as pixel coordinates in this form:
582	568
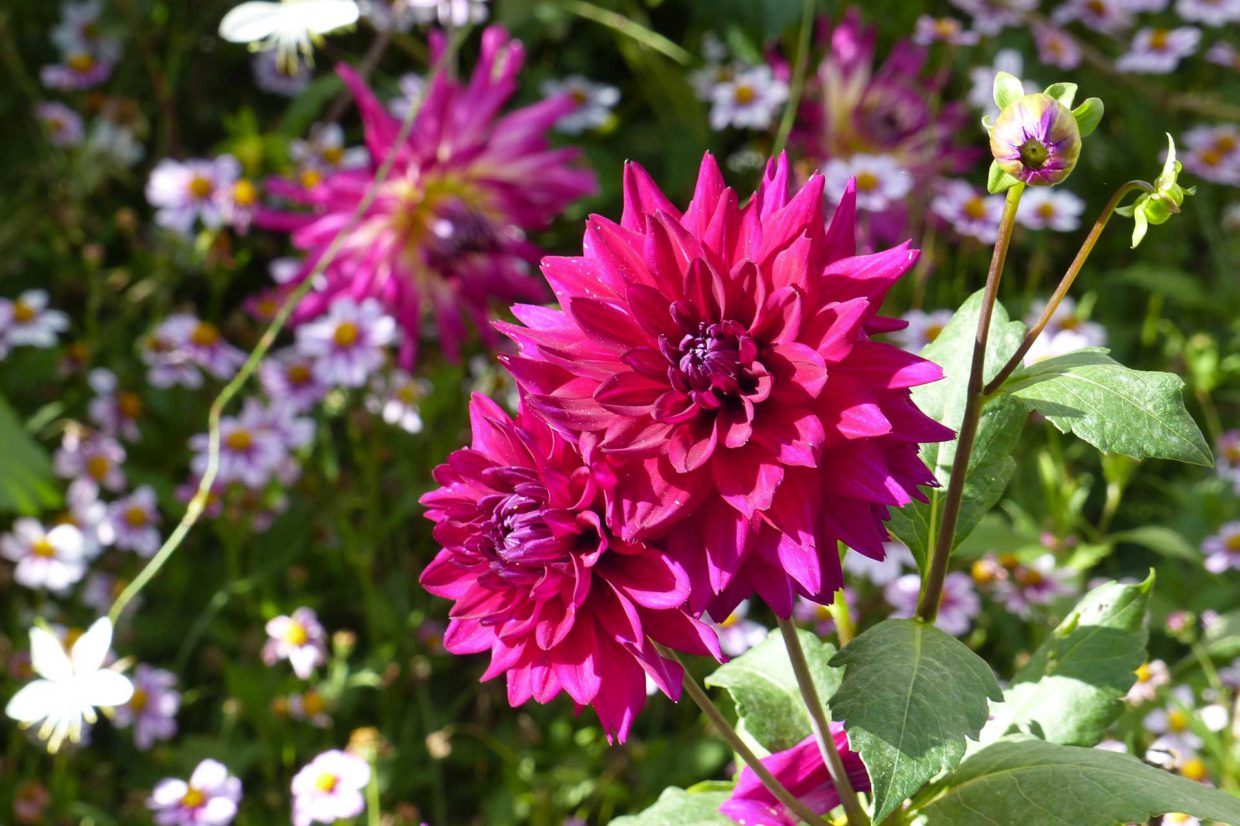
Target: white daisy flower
51	559
291	28
881	182
749	100
593	102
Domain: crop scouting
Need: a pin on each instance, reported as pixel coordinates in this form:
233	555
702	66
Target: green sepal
1065	93
1088	115
998	180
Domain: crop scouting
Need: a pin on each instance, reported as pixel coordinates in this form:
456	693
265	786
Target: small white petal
323	16
91	648
250	22
106	688
47	655
32	702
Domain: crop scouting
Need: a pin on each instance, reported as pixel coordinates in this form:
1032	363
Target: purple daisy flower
209	798
152	710
329	788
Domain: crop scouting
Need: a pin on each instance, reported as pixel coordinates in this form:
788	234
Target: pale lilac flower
992	16
101	589
1227	449
1065	333
322	151
114	412
896	560
168	361
31	323
152	710
298	638
412	87
981	94
1222	550
94	456
1046	208
1213	13
1151	676
329	788
79	30
46	559
593	102
1105	16
249	452
133	523
749	100
942	30
86	512
202	342
64	126
957	608
287	80
737	634
968	210
80	70
1223	53
210	798
396	399
282	421
1037	583
1146	6
114	143
1213	153
1056	47
194	190
1159	51
348	342
288	376
923	328
880	181
309	707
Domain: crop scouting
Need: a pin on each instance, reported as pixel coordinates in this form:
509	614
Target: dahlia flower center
193	799
42	548
1070	323
1034	154
97	467
139	700
23	313
1159	40
81	62
205	334
239	441
346	334
135	516
200	187
296	634
326	782
713	362
457	230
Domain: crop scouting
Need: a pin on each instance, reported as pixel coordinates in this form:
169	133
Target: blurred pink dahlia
447	232
540	581
894	111
720	360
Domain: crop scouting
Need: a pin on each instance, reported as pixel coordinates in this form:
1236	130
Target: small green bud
1158	206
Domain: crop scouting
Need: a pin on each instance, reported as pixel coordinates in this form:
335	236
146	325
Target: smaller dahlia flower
593	102
1056	47
115	412
1054	209
329	788
968	210
1213	13
947	30
94	456
349	343
748	99
1222	550
878	180
80	29
47	559
288	376
114	144
152	710
209	798
1159	51
299	638
958	605
31	323
1036	140
288	80
737	633
63	125
1151	676
802	772
922	328
132	523
540	580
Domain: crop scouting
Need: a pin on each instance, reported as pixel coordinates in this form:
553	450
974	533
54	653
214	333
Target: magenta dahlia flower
720	360
802	771
856	106
538	578
447	233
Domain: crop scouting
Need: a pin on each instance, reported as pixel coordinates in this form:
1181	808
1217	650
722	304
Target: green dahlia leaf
27	485
677	807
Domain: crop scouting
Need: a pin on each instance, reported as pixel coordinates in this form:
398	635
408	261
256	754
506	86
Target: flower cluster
87	53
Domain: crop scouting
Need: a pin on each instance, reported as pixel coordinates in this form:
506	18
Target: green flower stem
844	628
721	724
202	495
629	28
1065	283
798	78
374	815
936	573
853	810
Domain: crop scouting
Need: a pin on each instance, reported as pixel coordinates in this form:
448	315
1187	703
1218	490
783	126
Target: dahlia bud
1158	207
1036	139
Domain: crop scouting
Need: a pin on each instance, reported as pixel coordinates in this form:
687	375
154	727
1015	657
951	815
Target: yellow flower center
200	187
296	634
933	331
744	94
312	702
1194	769
245	193
1159	39
23	313
205	334
1097	7
1210	157
1144	675
298	374
346	334
326	782
1046	210
130	404
43	548
1030	577
975	208
333	155
1009	561
946	27
983	571
193	799
135	516
310	178
867	182
81	62
1177	720
1225	144
239	440
97	467
579	97
139	700
732	619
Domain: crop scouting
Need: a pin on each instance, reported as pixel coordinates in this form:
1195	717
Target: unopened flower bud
1036	139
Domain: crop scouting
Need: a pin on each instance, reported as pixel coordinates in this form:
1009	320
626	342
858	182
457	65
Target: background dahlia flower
720	360
538	579
447	231
893	110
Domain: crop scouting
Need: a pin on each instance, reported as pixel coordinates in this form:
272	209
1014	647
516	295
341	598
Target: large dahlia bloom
856	106
560	601
720	359
447	232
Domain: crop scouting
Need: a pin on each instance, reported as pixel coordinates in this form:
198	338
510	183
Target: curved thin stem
1065	283
821	726
721	724
798	78
936	574
197	505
